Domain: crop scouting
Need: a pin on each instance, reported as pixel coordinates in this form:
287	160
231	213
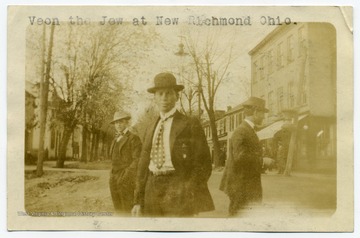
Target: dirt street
86	190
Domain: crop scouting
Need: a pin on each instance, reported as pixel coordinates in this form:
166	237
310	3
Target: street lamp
181	51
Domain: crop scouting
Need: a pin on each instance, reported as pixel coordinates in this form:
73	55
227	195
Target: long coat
242	174
124	170
190	157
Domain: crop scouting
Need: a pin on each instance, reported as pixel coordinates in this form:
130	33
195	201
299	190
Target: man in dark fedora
124	152
175	162
241	180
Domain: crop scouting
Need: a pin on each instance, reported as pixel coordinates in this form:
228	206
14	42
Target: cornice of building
270	36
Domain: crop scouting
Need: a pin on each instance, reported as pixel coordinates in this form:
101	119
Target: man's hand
136	211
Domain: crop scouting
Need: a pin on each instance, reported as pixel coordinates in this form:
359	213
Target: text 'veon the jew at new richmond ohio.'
163	20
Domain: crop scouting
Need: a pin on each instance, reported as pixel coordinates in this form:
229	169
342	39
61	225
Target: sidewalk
50	166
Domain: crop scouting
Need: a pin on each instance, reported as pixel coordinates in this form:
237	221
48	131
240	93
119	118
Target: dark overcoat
124	170
190	157
242	174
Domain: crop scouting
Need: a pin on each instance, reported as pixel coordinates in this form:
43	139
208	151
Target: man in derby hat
124	152
175	162
241	180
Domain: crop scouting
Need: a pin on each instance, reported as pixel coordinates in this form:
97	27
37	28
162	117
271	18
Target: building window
221	127
262	67
291	98
52	139
239	118
254	71
271	102
279	56
270	62
290	49
280	99
301	41
231	122
303	94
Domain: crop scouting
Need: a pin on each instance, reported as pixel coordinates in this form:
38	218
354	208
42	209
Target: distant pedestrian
222	157
282	141
241	180
175	162
124	153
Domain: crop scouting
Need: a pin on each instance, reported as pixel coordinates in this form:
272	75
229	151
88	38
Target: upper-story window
262	67
255	71
270	62
271	102
280	99
291	95
290	49
303	90
301	41
279	55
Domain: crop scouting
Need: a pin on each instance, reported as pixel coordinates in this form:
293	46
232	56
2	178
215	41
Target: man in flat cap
124	152
175	162
241	180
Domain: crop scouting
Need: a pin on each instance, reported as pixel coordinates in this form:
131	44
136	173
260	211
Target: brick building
294	67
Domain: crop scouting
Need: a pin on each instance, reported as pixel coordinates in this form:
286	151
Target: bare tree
188	95
90	78
211	63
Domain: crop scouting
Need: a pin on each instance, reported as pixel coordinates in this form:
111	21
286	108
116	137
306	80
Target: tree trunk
63	146
107	147
96	152
215	140
84	145
44	92
103	142
94	145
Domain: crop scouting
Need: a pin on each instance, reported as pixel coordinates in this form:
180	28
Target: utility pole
292	146
44	92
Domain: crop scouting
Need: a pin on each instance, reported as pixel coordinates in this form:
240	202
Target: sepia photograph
200	118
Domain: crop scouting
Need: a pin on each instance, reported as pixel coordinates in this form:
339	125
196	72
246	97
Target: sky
163	58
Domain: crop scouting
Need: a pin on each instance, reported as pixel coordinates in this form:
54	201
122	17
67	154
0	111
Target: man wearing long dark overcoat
241	180
125	153
175	162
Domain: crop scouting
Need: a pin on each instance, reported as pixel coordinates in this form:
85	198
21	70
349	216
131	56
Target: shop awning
269	131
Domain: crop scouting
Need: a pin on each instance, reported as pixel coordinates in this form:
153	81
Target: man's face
165	99
259	117
120	125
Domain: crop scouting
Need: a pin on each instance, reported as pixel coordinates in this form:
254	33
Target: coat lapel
251	131
178	125
150	134
112	146
123	140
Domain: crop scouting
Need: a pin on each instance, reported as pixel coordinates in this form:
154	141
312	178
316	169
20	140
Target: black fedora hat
165	80
257	103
